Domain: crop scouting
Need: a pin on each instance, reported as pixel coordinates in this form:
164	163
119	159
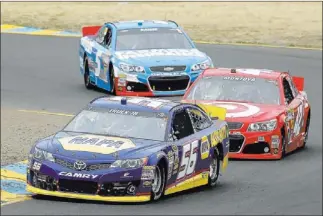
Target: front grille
92	167
236	142
256	148
77	186
168	83
168	68
234	125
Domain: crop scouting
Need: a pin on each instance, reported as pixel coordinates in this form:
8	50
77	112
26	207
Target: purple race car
131	149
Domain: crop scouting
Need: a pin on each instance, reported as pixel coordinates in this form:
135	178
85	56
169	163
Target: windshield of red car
151	38
121	123
235	88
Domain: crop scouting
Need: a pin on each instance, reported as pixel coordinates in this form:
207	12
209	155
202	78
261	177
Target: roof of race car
139	104
144	24
249	72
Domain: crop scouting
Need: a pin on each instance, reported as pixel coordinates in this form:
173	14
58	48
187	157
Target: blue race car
140	58
131	150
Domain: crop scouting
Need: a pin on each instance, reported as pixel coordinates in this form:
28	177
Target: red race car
268	112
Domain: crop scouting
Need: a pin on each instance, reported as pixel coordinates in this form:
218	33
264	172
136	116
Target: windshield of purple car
121	123
151	38
234	88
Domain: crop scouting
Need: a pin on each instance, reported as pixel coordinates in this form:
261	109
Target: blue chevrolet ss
140	58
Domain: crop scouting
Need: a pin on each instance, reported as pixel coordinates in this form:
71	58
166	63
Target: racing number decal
36	166
189	158
299	121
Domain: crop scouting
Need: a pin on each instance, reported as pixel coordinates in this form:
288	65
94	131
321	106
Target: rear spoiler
214	112
299	82
90	30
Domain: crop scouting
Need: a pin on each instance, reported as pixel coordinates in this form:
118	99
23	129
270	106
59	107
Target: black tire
214	169
308	121
158	192
283	140
87	82
112	84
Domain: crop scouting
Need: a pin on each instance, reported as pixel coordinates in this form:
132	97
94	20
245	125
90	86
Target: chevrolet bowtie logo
168	68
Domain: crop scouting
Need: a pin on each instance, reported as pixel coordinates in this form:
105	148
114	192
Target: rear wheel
214	169
158	184
87	81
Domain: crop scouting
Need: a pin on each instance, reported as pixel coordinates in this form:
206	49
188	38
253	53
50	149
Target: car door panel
297	109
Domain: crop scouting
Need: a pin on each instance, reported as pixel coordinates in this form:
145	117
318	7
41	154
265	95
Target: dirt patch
278	23
20	130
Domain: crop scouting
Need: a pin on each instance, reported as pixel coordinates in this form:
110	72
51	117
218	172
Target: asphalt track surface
42	73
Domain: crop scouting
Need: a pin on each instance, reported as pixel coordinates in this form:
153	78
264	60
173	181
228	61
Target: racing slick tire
214	169
159	183
112	78
87	81
283	141
307	127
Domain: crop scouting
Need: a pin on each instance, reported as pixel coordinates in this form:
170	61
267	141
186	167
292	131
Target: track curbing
14	29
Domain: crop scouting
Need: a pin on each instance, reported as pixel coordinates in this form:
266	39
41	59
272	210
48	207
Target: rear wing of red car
90	30
299	82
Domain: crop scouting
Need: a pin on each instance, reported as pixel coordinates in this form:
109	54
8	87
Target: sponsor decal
247	109
126	175
96	144
122	55
205	148
78	175
246	79
147	183
148	29
205	174
147	102
148	173
123	112
219	135
168	74
276	151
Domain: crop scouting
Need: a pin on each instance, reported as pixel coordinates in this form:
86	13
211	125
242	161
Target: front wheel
87	81
112	81
158	184
214	169
283	141
307	127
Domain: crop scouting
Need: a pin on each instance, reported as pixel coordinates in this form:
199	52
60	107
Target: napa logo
96	144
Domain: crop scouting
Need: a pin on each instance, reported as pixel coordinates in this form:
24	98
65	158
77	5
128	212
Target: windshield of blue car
235	88
151	38
120	123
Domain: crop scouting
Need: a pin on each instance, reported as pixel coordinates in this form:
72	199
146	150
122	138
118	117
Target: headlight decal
263	126
43	155
129	164
131	68
201	66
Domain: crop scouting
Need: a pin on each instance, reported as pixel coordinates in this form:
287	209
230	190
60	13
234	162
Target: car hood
90	147
246	112
161	57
